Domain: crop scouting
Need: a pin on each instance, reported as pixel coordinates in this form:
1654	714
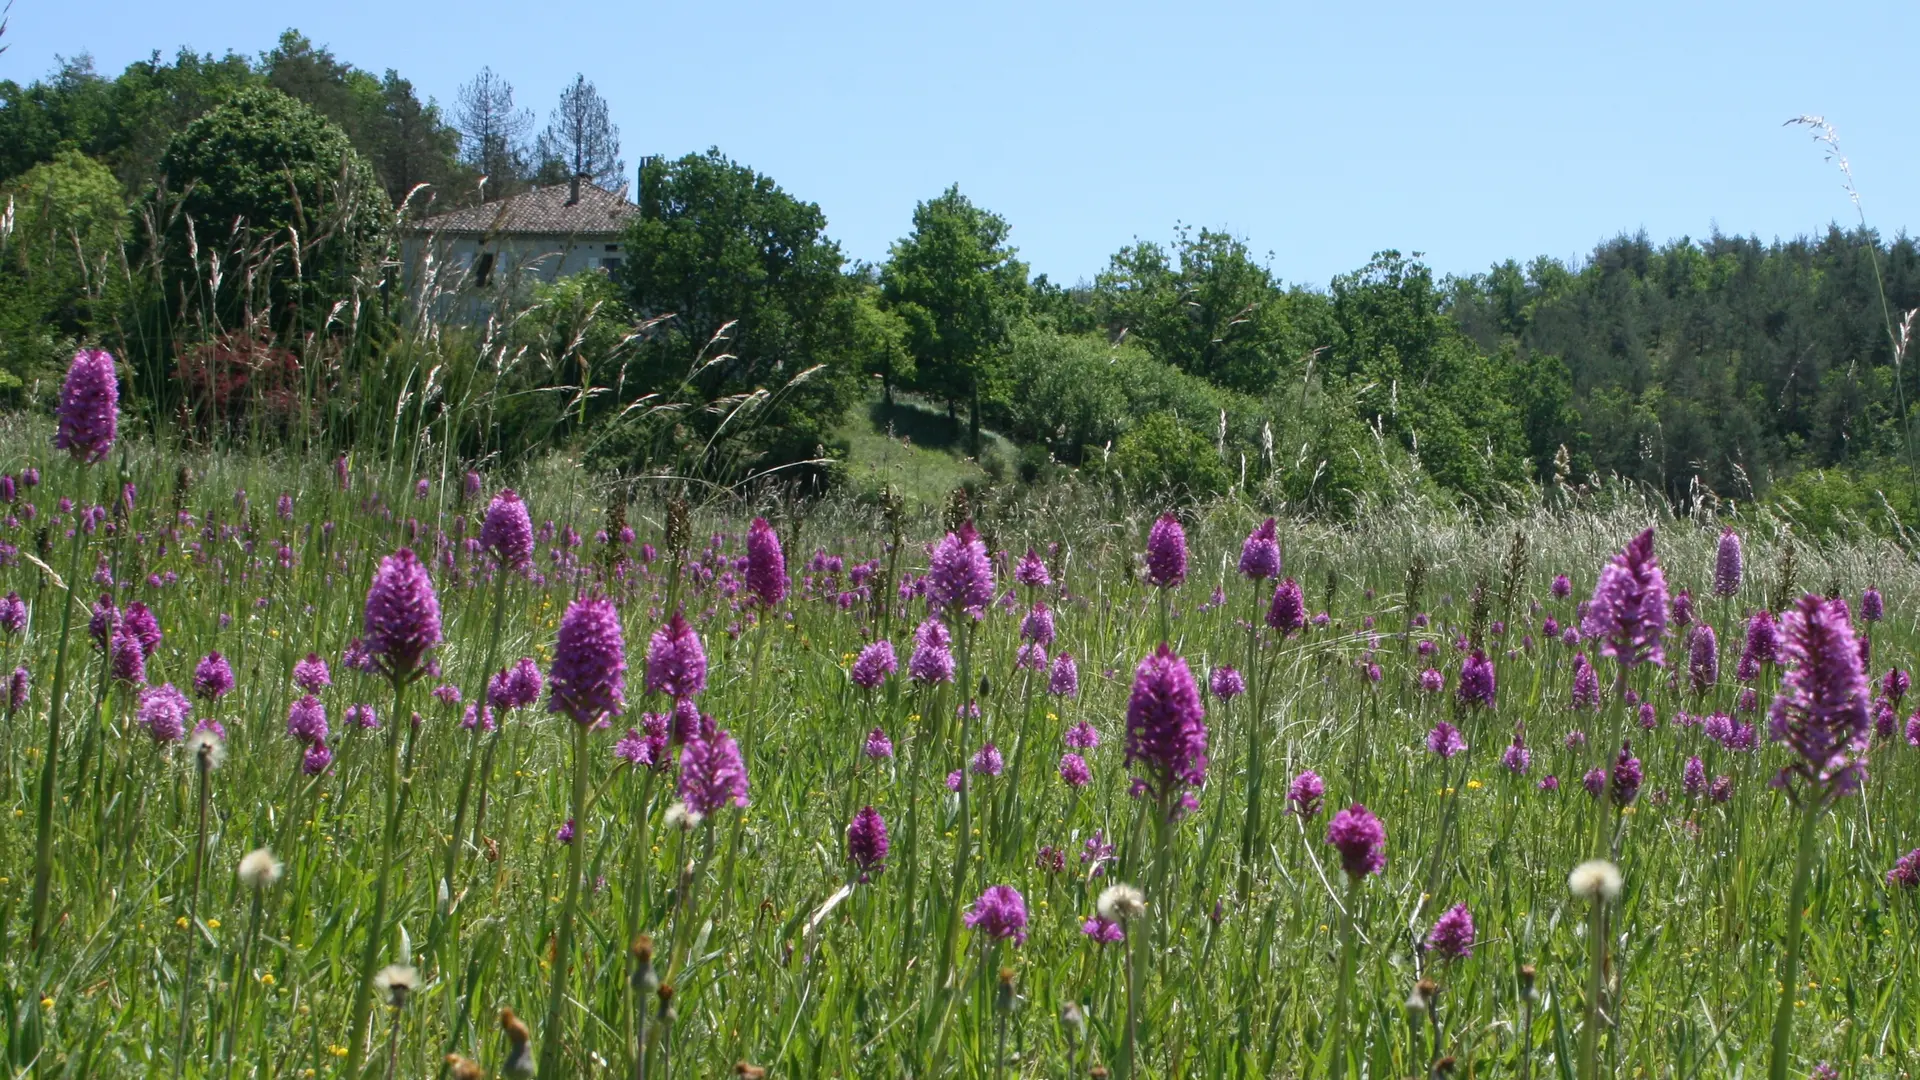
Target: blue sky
1321	133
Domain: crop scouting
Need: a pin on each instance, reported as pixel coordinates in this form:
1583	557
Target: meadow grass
769	949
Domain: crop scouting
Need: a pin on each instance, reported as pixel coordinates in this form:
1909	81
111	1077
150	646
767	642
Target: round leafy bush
275	192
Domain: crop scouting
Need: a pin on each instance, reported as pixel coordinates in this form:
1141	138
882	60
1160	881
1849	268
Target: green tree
1719	362
1541	388
756	325
1162	457
59	266
960	291
124	122
1063	309
494	133
275	190
151	101
406	141
413	145
313	76
1078	394
879	338
1209	309
72	110
1334	462
581	139
1424	380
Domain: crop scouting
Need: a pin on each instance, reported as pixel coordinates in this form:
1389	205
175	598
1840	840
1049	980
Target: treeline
125	122
230	226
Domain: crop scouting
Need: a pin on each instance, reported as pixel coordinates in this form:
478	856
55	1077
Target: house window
613	247
610	264
482	269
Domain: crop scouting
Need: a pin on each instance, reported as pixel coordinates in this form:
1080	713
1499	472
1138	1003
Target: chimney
573	190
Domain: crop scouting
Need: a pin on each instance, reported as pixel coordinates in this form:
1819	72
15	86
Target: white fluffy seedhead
1596	879
259	869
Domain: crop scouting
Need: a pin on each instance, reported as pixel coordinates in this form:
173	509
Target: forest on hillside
228	227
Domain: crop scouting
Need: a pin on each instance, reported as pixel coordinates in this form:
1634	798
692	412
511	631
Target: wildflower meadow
411	767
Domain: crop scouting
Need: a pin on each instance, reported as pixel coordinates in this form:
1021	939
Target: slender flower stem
458	841
550	1051
850	796
640	862
666	1033
243	978
735	828
486	774
680	945
640	1038
1526	1036
193	918
917	742
1001	1010
1011	800
964	841
49	770
1337	1060
1450	804
1790	960
445	921
750	743
1256	746
393	1045
98	725
1596	985
357	1033
85	759
1130	1043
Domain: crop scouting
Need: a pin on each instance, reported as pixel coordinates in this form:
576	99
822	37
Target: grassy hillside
916	449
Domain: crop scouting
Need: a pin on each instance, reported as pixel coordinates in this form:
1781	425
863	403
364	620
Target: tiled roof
544	211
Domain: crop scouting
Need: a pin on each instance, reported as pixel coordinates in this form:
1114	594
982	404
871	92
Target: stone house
481	252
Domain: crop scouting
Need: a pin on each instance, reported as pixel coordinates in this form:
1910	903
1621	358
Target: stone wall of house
466	276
